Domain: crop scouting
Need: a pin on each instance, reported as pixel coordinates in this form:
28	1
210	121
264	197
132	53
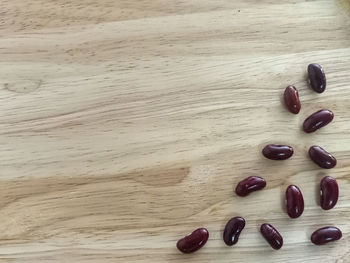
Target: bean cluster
329	190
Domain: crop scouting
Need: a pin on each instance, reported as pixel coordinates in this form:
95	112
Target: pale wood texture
126	124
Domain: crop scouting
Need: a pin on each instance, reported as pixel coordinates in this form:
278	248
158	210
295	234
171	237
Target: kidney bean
250	184
317	120
233	229
291	99
326	234
317	78
321	157
272	236
294	201
277	152
193	241
329	192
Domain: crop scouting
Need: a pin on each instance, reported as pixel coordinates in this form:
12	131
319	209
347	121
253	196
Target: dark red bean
291	99
329	192
326	234
233	229
277	152
250	184
317	78
294	201
272	236
321	157
193	241
317	120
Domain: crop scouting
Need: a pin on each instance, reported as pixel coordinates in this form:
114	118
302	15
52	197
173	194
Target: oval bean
294	201
321	157
277	152
193	241
329	192
317	78
250	184
291	99
232	230
325	235
272	236
317	120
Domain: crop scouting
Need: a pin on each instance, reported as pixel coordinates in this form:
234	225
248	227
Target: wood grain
126	125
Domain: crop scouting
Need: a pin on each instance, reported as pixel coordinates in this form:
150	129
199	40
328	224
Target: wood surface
126	124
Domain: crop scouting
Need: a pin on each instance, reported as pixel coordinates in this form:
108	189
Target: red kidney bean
321	157
193	241
326	234
294	201
233	229
317	78
250	184
291	99
277	152
272	236
329	192
317	120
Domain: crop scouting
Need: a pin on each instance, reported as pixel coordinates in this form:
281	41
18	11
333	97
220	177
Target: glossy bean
272	236
329	192
326	234
250	184
232	230
317	78
193	241
317	120
291	99
294	201
321	157
277	152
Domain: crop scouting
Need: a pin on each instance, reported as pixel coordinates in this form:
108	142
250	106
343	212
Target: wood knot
23	86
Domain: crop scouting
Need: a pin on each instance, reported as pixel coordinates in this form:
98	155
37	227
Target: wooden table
127	124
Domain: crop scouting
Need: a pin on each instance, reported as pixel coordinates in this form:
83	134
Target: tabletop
126	124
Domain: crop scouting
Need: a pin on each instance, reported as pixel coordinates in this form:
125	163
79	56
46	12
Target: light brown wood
126	125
